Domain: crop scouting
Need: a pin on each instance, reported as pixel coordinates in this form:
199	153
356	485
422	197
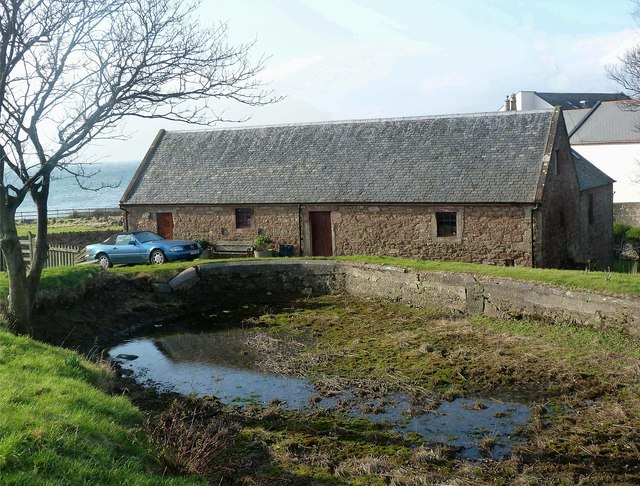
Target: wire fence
24	216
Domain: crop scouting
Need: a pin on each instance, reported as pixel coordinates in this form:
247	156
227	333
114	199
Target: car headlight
175	248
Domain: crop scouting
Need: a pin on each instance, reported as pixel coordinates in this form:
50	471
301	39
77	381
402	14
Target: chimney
513	102
507	105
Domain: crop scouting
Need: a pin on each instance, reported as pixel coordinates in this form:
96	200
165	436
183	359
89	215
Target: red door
321	239
165	225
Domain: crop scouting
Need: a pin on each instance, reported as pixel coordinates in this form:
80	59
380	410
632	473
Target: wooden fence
58	256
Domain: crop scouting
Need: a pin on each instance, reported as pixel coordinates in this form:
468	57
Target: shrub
620	231
634	234
192	436
203	243
262	242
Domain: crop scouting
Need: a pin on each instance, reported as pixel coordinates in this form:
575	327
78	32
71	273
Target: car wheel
158	257
103	261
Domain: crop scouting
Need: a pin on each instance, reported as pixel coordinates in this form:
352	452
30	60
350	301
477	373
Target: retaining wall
282	280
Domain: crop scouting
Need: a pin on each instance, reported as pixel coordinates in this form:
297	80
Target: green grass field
58	427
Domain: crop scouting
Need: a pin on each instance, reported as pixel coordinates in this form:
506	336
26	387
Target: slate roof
612	122
574	101
589	176
476	158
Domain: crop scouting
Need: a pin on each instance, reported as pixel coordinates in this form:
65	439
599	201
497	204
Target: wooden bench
233	249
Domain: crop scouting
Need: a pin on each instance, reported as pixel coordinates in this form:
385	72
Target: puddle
220	363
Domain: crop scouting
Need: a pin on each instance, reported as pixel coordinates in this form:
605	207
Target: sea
106	187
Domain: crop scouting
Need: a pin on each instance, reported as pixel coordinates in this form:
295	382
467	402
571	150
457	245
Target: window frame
238	217
446	227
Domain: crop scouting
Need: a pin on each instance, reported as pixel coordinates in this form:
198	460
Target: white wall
619	161
529	100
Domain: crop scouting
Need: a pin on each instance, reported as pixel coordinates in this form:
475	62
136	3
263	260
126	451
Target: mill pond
226	363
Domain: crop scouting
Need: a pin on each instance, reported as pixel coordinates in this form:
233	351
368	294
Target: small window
244	218
447	223
590	208
557	161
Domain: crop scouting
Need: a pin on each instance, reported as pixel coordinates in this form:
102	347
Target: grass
57	278
582	384
72	225
57	427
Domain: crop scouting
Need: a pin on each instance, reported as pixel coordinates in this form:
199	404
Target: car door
124	252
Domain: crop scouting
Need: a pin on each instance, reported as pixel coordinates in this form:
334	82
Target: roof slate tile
488	157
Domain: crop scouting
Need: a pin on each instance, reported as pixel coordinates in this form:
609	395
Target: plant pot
262	253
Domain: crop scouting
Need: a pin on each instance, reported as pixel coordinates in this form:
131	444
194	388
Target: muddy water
222	364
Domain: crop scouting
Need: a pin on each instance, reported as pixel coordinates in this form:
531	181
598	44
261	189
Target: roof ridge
370	120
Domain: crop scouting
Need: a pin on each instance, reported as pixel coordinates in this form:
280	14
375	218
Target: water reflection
221	364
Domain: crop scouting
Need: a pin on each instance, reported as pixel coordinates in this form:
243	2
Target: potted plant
262	246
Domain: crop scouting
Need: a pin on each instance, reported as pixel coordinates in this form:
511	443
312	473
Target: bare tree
71	70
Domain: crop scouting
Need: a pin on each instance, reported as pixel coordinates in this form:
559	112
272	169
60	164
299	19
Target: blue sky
350	59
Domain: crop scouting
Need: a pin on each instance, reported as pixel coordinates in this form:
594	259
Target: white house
603	127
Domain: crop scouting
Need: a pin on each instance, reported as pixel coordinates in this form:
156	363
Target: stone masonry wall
597	236
487	234
558	242
627	213
282	280
217	223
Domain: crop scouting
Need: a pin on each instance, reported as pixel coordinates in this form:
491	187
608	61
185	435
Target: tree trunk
23	285
21	298
40	196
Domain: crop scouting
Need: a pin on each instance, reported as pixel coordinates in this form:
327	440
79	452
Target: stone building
499	188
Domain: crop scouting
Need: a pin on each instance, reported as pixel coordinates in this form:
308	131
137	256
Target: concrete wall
282	280
627	213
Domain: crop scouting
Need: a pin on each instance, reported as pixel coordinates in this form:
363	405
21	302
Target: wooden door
321	238
165	225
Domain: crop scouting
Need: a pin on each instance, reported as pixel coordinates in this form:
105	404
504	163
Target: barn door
165	225
321	239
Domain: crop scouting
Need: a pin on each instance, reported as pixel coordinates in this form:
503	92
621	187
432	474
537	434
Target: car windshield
145	236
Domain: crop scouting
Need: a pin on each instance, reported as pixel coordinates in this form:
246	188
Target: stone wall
282	280
487	233
597	236
627	213
558	240
217	223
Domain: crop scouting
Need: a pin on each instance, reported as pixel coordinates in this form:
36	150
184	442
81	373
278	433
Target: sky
355	59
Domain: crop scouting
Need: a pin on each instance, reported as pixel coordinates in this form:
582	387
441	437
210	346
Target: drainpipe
533	253
126	219
300	228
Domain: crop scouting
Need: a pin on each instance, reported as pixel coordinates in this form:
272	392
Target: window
590	208
447	224
557	161
244	218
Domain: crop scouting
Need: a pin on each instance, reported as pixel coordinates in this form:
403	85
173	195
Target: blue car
141	247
